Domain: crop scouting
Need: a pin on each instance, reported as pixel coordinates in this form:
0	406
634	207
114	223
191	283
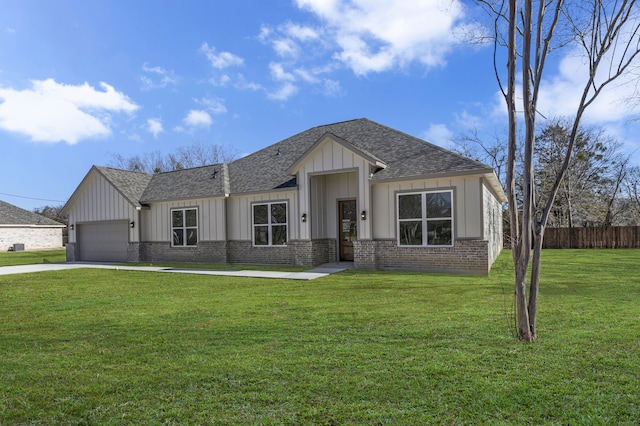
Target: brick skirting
466	256
205	252
297	252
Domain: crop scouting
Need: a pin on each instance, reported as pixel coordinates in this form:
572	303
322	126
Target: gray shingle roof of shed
14	215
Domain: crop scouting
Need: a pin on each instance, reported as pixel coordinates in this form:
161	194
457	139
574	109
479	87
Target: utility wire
32	198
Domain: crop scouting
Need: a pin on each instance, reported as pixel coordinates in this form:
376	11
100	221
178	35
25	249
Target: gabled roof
405	156
130	184
14	215
330	136
199	182
398	156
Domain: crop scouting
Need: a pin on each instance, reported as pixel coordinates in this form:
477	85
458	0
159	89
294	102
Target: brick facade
297	252
72	255
33	237
466	256
315	252
205	252
244	252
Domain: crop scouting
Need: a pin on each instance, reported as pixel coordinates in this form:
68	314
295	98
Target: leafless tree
607	35
52	212
184	157
488	149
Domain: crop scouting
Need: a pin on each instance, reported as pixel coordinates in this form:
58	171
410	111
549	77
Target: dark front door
348	228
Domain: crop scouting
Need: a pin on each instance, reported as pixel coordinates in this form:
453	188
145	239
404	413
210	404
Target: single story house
352	191
24	230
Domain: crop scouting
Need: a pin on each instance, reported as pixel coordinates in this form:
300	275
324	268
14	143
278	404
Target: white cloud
215	106
154	126
561	91
560	95
300	32
220	60
332	88
279	74
243	84
439	134
220	80
376	36
53	112
363	35
468	121
162	79
286	41
197	118
283	93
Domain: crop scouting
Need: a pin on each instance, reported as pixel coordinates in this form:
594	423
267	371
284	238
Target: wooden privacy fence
595	237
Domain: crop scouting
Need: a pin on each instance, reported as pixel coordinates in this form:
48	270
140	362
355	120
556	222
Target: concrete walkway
319	272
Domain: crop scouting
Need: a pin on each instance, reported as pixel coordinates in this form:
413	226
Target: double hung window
270	224
184	227
425	219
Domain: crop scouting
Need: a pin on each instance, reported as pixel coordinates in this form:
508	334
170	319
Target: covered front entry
334	207
103	241
348	229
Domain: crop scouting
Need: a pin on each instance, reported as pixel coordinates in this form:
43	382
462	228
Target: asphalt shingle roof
198	182
405	156
130	184
13	215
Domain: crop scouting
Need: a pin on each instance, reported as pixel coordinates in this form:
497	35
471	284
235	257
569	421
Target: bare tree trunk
600	28
535	279
520	246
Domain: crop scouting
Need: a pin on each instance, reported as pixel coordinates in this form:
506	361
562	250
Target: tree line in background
185	157
600	186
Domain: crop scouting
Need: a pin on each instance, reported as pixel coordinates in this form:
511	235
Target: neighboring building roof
13	215
400	156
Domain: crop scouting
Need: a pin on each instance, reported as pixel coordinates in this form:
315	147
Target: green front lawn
122	347
10	258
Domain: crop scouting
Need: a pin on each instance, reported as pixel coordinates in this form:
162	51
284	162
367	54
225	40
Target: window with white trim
425	219
270	224
184	227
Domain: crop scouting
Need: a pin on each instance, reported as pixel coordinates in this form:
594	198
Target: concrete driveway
319	272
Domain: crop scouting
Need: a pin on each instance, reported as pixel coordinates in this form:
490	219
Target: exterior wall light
72	227
363	215
304	217
132	224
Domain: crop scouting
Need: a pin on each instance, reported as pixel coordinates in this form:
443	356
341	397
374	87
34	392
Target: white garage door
104	241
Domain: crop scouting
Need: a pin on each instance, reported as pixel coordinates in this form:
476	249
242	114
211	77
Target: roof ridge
431	144
122	170
190	168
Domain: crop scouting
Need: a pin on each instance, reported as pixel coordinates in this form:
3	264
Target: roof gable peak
329	136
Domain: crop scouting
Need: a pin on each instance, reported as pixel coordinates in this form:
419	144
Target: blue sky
83	80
